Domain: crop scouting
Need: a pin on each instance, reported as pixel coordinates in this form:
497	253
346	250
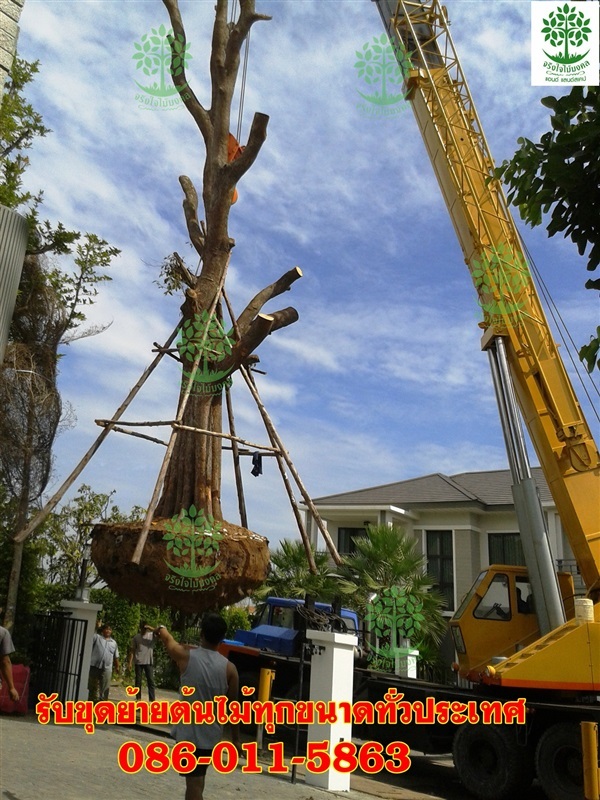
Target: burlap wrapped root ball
184	569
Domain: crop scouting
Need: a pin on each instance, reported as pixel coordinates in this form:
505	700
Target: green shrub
237	618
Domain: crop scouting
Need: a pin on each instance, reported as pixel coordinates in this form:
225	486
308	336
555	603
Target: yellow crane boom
459	153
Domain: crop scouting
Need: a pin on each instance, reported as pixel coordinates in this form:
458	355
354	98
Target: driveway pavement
60	762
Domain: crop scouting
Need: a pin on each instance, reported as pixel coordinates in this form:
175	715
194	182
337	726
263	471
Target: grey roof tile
484	488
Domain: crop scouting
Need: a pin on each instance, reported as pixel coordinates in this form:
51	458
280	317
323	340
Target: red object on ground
21	675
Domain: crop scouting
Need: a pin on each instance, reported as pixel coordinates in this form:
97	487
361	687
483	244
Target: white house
462	523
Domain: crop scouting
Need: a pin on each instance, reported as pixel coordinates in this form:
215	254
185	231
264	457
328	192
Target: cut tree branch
258	330
182	271
281	285
283	318
256	139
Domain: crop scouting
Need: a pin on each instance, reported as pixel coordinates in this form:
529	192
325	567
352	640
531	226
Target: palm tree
290	576
386	581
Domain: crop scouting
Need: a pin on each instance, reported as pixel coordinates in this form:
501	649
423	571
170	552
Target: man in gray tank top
210	674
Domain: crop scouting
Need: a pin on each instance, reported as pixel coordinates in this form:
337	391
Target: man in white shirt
105	658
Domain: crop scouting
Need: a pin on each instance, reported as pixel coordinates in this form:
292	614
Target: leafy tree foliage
237	619
386	581
49	312
67	532
20	125
290	576
31	586
560	176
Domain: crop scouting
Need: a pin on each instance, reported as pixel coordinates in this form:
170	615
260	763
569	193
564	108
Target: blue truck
276	639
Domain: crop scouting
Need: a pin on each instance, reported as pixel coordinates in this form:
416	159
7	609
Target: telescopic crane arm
460	156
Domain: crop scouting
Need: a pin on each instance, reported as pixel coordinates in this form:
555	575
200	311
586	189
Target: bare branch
240	31
218	48
190	210
191	102
280	286
256	139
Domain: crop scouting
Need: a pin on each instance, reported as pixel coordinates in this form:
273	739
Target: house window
440	564
506	548
346	546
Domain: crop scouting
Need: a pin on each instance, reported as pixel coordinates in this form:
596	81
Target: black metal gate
57	655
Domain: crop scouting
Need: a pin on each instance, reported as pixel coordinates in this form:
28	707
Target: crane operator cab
497	618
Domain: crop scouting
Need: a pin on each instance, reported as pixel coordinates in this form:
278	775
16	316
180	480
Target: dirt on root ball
207	575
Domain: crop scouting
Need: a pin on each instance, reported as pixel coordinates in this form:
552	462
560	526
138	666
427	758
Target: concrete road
56	762
60	762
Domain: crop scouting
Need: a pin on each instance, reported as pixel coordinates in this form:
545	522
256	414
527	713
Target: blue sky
382	377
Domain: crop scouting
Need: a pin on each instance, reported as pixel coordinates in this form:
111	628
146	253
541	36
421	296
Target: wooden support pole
44	512
239	483
221	435
155	423
281	454
277	441
298	516
118	429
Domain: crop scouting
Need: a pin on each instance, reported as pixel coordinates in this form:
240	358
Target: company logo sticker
203	338
564	43
501	278
393	616
381	69
153	58
194	537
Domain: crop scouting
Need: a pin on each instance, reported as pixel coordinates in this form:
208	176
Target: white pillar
405	662
331	678
88	612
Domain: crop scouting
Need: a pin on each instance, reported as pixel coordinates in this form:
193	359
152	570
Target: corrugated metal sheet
13	242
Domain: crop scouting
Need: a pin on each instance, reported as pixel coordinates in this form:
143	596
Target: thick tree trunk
193	476
12	593
185	554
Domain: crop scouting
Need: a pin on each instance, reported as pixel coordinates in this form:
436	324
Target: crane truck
549	656
516	633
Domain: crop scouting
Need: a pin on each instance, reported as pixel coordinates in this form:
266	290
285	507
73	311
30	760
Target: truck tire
490	762
559	762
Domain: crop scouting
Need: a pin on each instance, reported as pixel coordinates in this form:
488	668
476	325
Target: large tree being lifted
188	519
